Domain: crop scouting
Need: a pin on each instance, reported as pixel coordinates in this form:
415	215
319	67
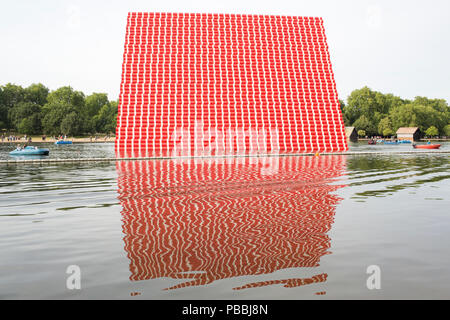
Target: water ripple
205	220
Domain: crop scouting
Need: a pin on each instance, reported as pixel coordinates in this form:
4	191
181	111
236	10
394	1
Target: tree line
373	113
36	110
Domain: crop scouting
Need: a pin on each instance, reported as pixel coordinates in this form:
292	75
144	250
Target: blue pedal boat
30	151
63	142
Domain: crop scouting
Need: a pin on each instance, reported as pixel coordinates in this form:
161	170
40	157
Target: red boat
426	146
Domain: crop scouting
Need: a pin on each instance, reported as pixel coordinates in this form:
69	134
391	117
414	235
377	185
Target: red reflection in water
211	219
288	283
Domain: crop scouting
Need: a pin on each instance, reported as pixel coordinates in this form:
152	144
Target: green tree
94	103
446	130
106	119
385	127
17	104
30	125
71	124
3	112
364	124
413	115
439	105
361	102
64	103
355	105
36	93
11	95
347	122
403	116
361	133
25	117
341	105
432	131
366	104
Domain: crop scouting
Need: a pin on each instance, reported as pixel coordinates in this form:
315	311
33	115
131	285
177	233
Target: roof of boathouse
407	130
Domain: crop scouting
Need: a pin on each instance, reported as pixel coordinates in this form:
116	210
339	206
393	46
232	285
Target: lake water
242	228
106	150
77	150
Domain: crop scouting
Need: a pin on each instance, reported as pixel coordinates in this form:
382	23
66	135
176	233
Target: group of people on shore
12	138
9	138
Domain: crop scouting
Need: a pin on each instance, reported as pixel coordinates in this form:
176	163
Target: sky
399	47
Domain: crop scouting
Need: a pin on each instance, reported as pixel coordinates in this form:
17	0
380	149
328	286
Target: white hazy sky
401	47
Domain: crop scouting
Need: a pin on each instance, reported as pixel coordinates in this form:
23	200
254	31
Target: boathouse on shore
409	133
351	134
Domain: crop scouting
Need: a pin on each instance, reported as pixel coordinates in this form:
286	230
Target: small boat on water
390	142
30	151
63	142
426	146
372	142
404	141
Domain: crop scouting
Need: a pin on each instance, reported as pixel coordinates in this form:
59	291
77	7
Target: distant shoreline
112	140
421	140
51	140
